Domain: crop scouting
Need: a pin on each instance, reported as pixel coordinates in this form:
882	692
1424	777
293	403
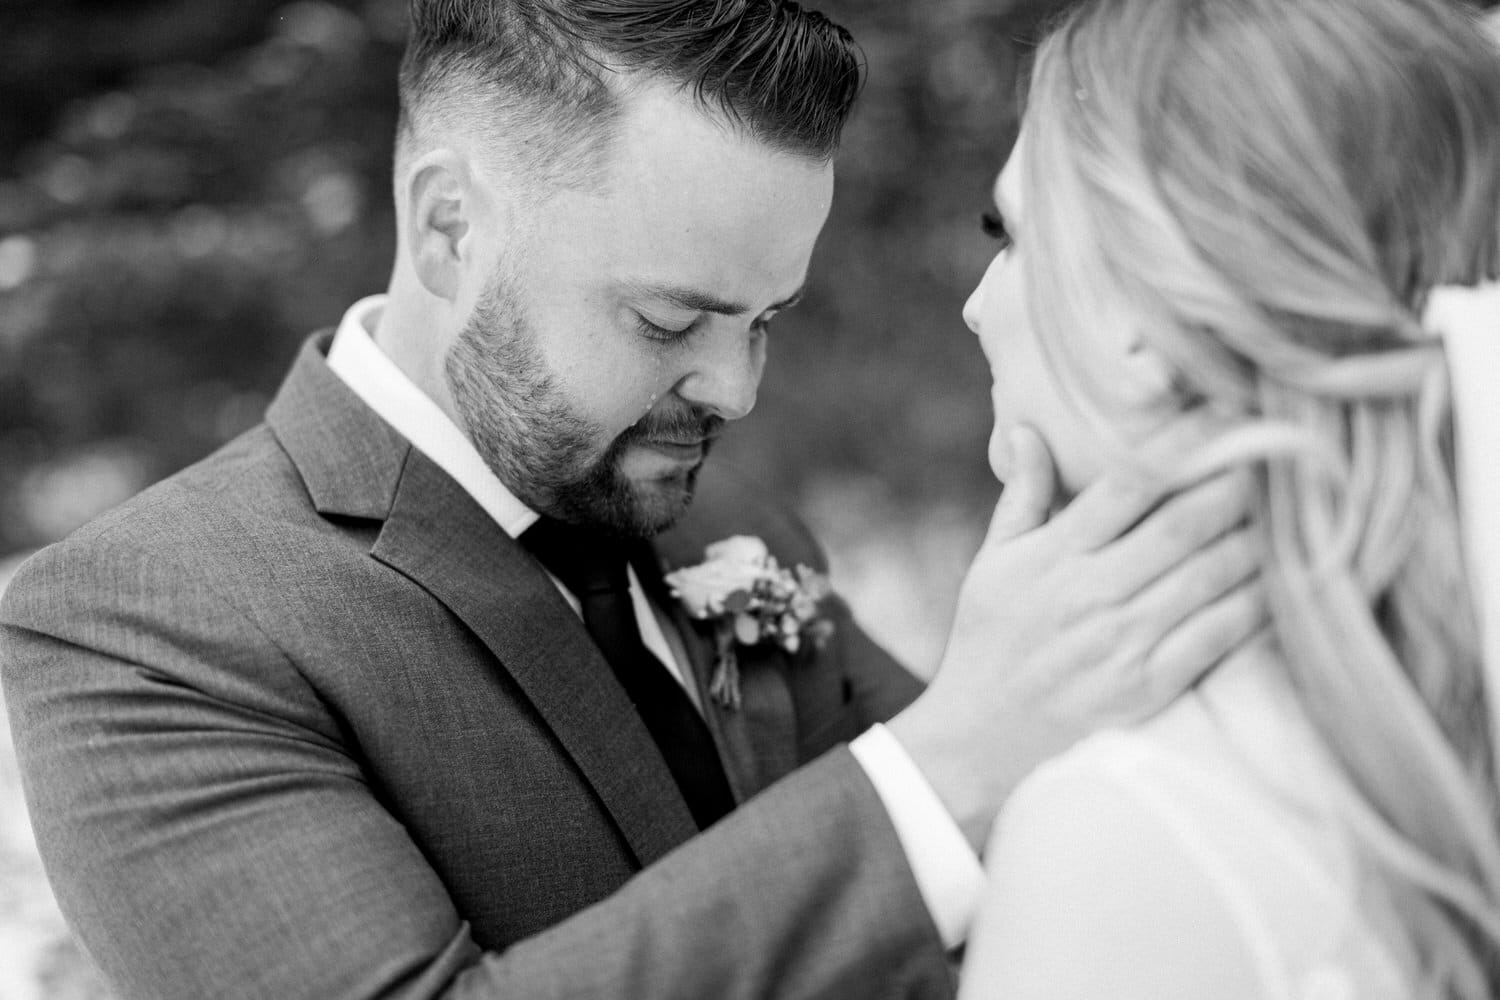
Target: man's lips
686	448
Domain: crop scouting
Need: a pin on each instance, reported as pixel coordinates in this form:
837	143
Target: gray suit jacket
302	721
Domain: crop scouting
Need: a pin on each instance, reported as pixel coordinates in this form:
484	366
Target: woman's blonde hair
1270	188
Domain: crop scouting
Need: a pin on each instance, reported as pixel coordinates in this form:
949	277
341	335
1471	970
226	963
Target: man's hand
1101	615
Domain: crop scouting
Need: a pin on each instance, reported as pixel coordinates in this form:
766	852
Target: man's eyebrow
694	300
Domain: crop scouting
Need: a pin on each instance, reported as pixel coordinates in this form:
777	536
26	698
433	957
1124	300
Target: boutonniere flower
752	601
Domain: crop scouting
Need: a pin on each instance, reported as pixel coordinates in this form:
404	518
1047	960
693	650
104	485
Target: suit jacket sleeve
209	835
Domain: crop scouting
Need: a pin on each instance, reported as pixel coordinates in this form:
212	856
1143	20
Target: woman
1231	213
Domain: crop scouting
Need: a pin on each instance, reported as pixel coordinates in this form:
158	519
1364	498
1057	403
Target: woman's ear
442	202
1151	380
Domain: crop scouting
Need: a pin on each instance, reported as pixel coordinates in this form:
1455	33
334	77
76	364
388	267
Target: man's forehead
692	216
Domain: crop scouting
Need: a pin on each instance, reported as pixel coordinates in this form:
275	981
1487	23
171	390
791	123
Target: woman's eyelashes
994	227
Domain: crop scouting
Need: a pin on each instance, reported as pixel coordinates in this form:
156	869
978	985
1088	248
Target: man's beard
522	426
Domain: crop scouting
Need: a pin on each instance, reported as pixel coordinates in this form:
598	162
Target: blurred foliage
188	189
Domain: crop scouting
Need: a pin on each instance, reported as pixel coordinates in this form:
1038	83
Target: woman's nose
974	306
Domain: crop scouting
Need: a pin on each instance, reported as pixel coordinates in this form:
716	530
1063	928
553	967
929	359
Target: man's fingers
1116	501
1204	639
1106	508
1199	612
1027	497
1176	531
1201	579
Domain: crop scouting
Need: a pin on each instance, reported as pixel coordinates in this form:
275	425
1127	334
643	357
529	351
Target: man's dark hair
541	69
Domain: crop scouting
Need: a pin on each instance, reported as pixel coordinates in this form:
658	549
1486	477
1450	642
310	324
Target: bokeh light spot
65	494
332	202
68	179
199	231
321	26
17	261
110	116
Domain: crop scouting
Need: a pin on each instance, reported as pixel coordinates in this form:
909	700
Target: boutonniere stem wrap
752	601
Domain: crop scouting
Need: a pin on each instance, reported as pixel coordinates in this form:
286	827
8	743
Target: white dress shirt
947	872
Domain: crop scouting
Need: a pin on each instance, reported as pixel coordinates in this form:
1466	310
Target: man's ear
443	203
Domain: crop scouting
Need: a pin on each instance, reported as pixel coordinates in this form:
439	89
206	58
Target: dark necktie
592	566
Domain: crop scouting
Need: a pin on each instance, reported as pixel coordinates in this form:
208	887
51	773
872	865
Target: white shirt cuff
947	870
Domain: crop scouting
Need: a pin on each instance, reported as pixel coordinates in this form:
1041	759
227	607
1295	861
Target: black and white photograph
749	499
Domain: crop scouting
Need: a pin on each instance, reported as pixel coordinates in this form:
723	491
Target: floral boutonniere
751	600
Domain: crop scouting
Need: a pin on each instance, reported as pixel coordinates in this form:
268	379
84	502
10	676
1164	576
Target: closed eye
663	334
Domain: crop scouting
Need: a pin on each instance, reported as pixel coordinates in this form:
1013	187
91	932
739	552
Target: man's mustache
678	426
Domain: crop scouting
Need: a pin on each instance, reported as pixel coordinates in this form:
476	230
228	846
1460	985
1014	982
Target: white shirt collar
387	390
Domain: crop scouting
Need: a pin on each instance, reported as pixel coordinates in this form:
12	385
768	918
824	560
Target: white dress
1196	856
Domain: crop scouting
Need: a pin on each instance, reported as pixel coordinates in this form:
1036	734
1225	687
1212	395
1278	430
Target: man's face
626	324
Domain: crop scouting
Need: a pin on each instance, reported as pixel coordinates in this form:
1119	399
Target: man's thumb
1027	497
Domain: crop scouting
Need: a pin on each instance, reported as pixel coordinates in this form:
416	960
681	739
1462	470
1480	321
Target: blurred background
189	187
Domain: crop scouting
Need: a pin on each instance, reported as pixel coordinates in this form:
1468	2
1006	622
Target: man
334	713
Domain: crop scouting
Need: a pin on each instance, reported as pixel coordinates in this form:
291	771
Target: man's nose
726	373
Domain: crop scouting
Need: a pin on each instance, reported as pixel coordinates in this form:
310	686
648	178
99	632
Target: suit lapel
349	459
437	536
